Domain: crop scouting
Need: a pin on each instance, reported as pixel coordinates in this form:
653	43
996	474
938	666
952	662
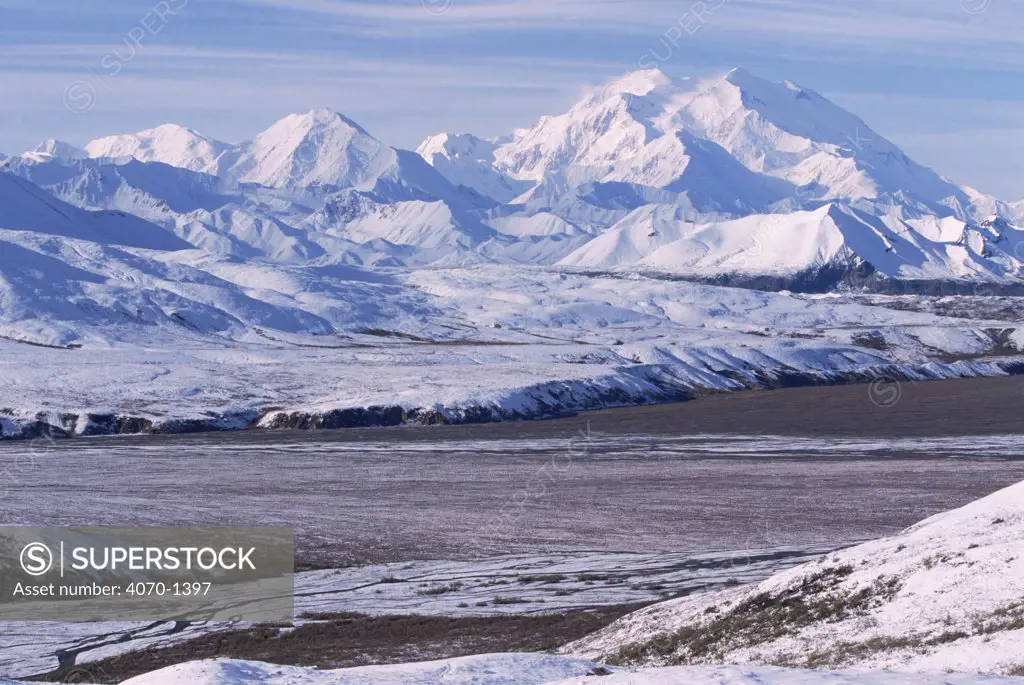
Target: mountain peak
750	83
739	75
639	82
52	148
320	147
170	129
321	118
168	143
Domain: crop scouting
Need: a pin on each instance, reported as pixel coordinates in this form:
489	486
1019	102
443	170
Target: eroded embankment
626	386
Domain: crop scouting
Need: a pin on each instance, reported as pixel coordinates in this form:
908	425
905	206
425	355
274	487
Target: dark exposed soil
346	640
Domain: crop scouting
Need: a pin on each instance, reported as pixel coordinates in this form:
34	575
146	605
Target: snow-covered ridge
945	595
167	143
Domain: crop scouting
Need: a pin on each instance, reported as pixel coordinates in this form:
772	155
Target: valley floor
612	509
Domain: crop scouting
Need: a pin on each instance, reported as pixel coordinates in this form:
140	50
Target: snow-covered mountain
168	143
319	148
720	178
647	129
31	211
736	175
832	238
314	186
52	148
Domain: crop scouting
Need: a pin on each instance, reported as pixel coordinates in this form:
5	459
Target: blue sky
944	79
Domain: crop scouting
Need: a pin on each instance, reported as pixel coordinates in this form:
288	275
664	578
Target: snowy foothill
945	595
231	345
490	669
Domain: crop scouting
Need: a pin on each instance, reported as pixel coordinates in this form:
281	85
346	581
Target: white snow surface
167	143
740	675
490	669
528	669
946	595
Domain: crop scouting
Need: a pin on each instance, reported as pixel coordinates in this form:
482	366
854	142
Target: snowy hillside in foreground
945	595
736	675
526	669
734	176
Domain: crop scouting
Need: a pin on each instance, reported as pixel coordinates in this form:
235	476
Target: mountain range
735	179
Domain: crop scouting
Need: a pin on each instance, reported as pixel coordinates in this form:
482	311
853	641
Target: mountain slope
149	189
27	208
52	148
945	595
469	161
794	133
804	243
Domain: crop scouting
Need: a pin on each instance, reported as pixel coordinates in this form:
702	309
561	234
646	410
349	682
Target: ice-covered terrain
314	271
140	340
946	595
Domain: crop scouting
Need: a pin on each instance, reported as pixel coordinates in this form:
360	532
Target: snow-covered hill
29	213
834	238
173	337
946	595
